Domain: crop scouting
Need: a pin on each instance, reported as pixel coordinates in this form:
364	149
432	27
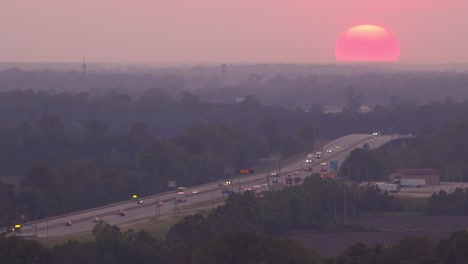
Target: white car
96	219
118	211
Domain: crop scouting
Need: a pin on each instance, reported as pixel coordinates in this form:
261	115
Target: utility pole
345	206
35	224
279	166
158	210
367	173
268	177
212	200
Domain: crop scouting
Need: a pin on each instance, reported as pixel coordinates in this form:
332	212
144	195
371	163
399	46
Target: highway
82	221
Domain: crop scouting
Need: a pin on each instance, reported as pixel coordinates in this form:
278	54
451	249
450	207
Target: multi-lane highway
83	221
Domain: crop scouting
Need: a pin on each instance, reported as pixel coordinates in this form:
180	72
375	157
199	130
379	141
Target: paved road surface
82	221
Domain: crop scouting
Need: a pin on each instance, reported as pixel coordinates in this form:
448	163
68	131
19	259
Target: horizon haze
214	31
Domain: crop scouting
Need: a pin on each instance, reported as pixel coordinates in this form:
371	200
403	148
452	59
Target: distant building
431	176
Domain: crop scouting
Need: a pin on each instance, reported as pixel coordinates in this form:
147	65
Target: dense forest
77	142
217	238
287	85
113	246
109	146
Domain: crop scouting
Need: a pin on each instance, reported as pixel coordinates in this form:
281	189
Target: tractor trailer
410	182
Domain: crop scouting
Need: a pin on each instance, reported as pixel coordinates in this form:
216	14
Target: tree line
88	151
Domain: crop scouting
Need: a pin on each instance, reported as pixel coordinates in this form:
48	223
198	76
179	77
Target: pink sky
232	31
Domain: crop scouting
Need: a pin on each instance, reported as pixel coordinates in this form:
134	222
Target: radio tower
223	75
84	67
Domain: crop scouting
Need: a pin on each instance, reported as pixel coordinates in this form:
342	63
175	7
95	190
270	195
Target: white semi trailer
410	182
389	187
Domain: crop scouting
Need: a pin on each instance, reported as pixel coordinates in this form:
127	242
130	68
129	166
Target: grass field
157	228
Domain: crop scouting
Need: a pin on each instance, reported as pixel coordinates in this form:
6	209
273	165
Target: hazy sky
232	31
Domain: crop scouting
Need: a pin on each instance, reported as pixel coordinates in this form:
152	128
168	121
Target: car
160	204
194	191
375	133
337	147
289	174
96	219
308	169
296	173
181	200
140	201
122	213
15	228
275	174
323	169
118	211
329	151
240	188
220	184
68	223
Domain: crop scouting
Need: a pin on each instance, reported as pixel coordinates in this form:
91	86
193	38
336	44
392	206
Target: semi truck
389	187
410	182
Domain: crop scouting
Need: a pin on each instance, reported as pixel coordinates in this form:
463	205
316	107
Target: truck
323	166
180	194
389	187
410	182
310	158
226	191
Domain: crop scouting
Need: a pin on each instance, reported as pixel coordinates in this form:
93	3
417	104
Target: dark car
122	213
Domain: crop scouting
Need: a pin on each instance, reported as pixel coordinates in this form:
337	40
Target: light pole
345	205
358	178
158	210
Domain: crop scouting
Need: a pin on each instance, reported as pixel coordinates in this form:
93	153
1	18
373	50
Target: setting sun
367	43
